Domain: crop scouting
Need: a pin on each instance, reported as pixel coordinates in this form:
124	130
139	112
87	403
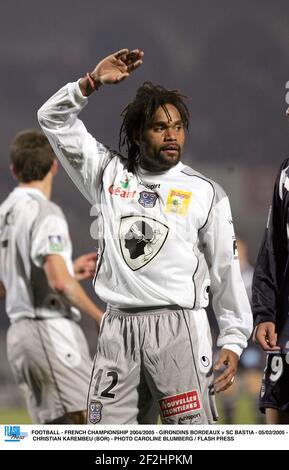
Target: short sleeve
49	237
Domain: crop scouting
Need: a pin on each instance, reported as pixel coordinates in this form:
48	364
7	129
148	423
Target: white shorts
51	364
151	363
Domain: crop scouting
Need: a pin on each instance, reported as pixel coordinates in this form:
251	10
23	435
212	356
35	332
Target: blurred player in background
46	348
271	304
164	226
247	270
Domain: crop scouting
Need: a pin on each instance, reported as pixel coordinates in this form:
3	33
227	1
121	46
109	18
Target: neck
45	186
155	168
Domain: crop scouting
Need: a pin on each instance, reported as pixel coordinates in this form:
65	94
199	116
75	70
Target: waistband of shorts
143	310
17	320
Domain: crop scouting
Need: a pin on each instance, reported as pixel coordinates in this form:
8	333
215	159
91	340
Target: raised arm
83	157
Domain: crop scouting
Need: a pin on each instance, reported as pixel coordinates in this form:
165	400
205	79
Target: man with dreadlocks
167	235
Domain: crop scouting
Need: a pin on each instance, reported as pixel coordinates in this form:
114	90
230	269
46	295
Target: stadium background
231	58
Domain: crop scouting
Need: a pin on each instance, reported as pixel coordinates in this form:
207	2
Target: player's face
163	139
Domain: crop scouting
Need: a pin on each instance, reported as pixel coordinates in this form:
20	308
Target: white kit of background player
46	348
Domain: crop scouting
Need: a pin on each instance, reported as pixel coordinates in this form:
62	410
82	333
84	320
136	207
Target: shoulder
208	184
54	209
23	206
115	163
48	213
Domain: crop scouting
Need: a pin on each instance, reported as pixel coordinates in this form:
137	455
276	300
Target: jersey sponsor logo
190	419
115	190
141	238
178	201
56	243
147	199
94	411
180	404
125	181
150	186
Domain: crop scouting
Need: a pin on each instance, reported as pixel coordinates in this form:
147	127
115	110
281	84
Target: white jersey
165	237
32	227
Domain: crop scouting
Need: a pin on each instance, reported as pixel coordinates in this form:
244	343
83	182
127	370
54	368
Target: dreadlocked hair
138	114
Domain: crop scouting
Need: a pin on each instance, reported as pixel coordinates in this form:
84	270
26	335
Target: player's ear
54	167
13	173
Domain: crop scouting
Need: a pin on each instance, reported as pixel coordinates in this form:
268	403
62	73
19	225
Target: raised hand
112	69
118	66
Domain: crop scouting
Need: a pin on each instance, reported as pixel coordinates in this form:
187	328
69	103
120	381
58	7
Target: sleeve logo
56	243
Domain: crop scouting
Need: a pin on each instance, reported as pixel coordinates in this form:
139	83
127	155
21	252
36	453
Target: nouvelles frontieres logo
14	434
180	404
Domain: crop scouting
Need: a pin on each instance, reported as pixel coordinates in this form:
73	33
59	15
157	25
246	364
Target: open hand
117	66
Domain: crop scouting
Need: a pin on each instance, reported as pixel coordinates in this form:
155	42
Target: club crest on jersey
147	199
141	238
178	201
94	411
56	243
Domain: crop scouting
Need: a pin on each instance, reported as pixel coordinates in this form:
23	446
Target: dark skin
112	69
162	141
160	147
229	360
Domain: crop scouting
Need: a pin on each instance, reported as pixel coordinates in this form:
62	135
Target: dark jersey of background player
271	302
